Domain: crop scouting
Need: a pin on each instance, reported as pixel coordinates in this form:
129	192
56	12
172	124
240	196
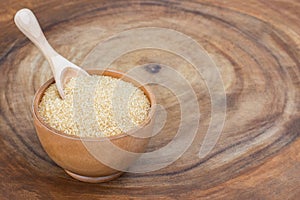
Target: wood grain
255	44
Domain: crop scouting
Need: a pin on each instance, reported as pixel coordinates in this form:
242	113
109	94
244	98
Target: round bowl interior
112	73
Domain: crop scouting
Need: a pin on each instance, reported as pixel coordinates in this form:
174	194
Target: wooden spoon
62	69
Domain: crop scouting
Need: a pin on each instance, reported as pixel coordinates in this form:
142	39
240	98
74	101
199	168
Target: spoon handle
62	69
29	25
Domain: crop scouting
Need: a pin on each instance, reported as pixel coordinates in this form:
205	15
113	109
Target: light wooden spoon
62	69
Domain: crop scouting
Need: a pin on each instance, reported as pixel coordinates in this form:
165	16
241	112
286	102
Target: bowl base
91	179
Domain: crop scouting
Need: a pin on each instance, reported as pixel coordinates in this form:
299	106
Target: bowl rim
106	72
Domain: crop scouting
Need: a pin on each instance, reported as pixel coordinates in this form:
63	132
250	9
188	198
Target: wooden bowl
70	152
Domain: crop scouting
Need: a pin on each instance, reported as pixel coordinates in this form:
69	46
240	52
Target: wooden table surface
254	43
